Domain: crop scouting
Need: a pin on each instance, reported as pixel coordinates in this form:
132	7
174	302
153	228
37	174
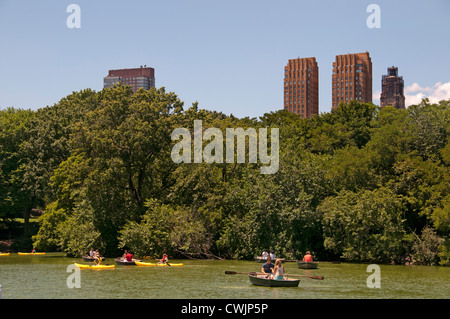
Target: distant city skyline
228	56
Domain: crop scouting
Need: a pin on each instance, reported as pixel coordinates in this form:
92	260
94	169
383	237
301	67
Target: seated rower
124	256
278	270
267	267
264	254
129	257
308	258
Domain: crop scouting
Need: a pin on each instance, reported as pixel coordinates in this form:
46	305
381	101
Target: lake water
45	277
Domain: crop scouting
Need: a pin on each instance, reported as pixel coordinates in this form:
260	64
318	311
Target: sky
227	55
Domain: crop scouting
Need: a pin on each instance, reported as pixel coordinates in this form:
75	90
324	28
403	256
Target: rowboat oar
312	277
227	272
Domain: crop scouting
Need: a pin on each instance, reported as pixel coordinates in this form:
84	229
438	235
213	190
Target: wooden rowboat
307	265
264	260
121	261
261	280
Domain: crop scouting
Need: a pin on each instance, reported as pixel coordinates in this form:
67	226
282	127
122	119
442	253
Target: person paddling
165	259
97	258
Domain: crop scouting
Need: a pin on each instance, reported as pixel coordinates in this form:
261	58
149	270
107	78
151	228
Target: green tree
151	235
118	158
426	248
15	200
364	226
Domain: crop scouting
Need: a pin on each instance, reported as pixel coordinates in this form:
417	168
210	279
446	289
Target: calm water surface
46	277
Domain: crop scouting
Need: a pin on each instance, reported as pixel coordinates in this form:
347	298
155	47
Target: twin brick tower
351	80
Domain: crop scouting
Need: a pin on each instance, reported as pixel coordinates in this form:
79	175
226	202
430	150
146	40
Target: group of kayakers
276	271
127	256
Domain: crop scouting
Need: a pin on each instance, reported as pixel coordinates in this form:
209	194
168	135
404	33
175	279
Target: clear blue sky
227	55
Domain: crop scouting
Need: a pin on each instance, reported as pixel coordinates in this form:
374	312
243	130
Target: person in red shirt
129	257
308	258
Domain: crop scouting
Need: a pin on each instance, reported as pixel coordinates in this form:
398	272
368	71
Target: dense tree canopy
360	182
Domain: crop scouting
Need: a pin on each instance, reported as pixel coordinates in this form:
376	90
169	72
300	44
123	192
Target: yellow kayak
95	267
5	254
30	254
144	264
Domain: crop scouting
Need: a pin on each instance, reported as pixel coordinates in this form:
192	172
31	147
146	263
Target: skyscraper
392	89
352	78
301	86
143	77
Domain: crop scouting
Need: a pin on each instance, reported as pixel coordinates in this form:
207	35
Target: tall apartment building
143	77
392	89
352	78
301	86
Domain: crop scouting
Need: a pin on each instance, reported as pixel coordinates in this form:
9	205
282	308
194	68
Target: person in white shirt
272	255
265	254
